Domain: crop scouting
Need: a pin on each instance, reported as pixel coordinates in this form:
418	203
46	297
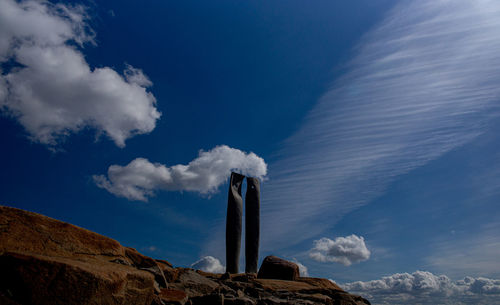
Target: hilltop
47	261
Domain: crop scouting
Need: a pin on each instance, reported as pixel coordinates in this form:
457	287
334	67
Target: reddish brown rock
162	262
45	261
276	268
173	296
143	262
320	283
276	285
38	279
27	232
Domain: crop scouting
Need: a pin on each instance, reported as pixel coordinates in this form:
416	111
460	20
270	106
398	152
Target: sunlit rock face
46	261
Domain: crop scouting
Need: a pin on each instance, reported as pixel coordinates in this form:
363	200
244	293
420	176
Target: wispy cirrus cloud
423	82
471	251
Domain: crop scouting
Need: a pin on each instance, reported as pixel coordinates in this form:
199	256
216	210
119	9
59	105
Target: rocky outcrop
46	261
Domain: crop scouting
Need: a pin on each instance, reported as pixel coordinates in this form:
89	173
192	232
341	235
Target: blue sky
372	124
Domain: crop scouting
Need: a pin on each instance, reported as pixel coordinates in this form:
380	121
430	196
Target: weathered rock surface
276	268
46	261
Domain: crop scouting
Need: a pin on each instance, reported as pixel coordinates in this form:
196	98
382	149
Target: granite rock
276	268
45	261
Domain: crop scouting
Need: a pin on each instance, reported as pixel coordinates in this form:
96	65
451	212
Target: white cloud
302	269
40	23
209	264
423	82
54	92
344	250
423	287
140	178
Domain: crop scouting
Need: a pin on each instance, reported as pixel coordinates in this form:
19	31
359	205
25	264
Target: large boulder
39	279
46	261
276	268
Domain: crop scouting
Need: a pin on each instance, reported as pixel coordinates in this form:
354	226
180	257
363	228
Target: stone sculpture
234	224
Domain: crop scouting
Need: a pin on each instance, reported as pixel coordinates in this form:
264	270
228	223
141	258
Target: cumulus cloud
52	91
423	287
344	250
209	264
302	269
140	178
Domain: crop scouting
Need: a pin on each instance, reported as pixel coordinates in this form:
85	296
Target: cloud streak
423	82
139	179
423	287
52	91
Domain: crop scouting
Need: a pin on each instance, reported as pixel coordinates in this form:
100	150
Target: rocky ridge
46	261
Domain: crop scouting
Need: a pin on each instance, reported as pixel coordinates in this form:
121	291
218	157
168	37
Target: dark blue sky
240	74
375	118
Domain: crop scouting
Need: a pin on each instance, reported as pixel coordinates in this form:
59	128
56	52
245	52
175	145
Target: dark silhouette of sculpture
234	224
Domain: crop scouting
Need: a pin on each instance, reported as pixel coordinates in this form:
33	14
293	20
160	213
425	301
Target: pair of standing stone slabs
234	224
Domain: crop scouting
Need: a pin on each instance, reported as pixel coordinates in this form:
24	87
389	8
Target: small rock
276	268
173	296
